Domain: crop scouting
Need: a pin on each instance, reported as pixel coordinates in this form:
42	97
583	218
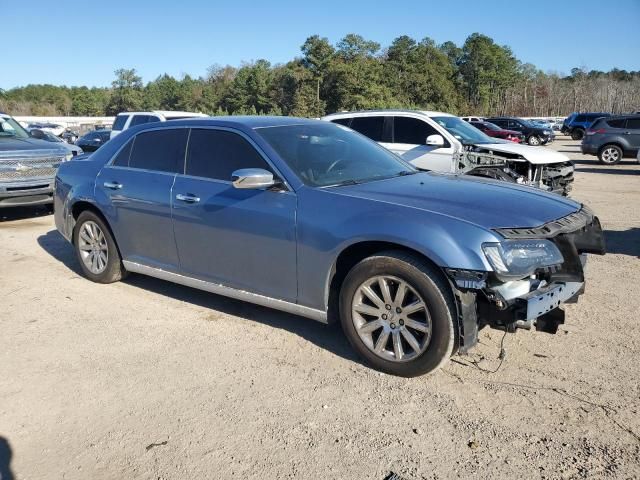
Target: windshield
10	128
463	131
328	154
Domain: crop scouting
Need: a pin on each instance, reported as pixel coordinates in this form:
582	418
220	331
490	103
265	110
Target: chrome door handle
187	198
113	185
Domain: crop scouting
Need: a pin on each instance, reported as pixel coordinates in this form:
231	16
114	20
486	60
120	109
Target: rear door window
122	159
411	130
160	150
617	123
120	122
372	127
633	123
580	119
217	154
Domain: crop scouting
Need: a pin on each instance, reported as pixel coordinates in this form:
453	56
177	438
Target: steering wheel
334	164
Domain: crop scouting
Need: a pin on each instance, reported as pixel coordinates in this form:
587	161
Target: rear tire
96	249
610	155
577	134
408	327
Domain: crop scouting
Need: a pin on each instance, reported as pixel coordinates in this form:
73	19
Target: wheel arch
82	206
350	256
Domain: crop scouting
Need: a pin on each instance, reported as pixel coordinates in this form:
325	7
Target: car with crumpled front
315	219
442	142
27	165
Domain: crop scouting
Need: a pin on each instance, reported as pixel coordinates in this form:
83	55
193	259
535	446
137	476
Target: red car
495	131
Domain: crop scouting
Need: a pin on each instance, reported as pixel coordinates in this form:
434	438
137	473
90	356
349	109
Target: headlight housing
68	156
516	259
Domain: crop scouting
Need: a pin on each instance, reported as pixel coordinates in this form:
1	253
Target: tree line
480	77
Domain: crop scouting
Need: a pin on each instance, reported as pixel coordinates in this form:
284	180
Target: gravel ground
146	379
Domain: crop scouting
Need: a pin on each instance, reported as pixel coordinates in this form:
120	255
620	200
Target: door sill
219	289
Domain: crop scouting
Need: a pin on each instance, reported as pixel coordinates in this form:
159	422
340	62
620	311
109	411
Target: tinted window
218	153
371	127
139	120
580	118
161	150
411	130
120	121
153	118
122	159
617	123
104	136
500	123
342	121
633	123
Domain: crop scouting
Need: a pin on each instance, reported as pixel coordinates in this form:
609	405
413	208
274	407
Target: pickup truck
27	165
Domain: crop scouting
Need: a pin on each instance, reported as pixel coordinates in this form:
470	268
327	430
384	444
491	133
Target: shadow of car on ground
328	337
623	242
8	214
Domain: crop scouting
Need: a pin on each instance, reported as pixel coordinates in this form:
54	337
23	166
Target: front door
135	193
244	239
409	142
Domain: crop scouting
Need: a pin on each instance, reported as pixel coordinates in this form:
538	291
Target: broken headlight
515	259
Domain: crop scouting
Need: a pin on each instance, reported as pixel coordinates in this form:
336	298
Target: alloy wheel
610	155
93	247
391	318
533	140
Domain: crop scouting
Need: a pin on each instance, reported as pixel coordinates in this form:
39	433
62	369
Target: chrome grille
19	166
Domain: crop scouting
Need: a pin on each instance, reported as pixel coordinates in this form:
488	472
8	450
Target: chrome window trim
186	150
226	291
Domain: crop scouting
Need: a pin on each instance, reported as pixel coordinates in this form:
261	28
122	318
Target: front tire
96	249
610	154
398	313
577	134
533	140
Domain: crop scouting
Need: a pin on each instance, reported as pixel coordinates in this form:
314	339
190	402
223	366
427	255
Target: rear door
409	141
245	239
135	190
632	131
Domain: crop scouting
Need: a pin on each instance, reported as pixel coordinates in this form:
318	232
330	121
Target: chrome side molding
225	291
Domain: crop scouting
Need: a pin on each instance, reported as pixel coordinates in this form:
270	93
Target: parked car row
312	218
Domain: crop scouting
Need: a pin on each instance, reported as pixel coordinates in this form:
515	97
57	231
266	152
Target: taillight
593	132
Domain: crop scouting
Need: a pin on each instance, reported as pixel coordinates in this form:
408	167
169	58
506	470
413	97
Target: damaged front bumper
535	301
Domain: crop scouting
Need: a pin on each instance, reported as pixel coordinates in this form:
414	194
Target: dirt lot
146	379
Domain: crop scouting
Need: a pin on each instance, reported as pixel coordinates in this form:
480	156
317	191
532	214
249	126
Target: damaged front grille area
571	223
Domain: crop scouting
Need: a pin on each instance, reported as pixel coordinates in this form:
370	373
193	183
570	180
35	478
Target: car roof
165	113
232	121
363	113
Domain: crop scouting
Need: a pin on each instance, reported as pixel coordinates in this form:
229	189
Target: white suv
131	119
445	143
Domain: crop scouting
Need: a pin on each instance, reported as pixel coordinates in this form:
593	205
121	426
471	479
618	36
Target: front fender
326	229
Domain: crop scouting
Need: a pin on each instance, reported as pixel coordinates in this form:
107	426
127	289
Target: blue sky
82	43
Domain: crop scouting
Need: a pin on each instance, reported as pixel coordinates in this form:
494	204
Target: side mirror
435	141
252	178
36	133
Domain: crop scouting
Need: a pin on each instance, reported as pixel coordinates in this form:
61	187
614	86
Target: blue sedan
315	219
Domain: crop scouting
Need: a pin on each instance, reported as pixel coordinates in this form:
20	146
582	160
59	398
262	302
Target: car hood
486	203
12	144
535	155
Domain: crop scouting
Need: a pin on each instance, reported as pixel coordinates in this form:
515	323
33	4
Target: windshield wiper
351	181
404	173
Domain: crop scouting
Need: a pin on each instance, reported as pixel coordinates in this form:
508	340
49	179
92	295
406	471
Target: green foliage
479	77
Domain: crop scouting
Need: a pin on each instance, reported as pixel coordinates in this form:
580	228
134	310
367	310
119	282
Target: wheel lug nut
401	322
393	325
388	307
384	316
398	310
